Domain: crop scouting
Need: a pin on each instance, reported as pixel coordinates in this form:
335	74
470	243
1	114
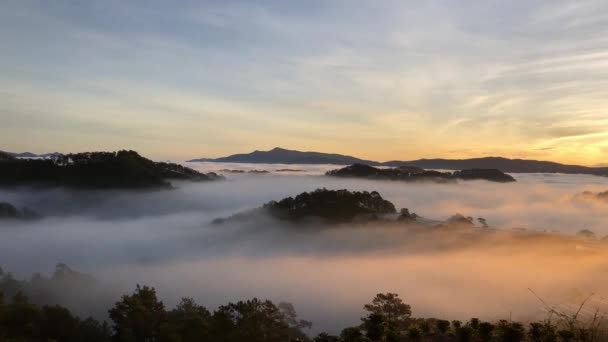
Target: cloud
572	132
165	239
435	74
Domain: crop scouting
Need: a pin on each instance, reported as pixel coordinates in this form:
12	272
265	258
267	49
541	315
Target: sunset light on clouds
377	79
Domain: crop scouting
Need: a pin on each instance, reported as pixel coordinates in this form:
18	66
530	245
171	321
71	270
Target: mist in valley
166	239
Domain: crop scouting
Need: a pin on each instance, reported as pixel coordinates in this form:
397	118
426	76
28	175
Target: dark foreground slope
415	174
122	169
142	316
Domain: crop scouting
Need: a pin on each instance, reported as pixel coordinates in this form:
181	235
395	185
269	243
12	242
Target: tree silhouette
374	326
352	334
252	320
325	337
443	326
138	317
391	308
295	325
187	322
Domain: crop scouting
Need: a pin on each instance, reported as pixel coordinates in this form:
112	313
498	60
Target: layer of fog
165	239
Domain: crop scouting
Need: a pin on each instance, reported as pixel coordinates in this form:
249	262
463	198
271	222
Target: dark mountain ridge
122	169
416	174
284	156
503	164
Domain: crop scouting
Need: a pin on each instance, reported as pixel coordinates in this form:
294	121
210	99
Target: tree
393	335
58	323
566	335
425	325
91	330
414	334
187	322
541	332
474	323
351	334
138	317
253	321
442	326
485	330
295	325
464	333
374	326
391	308
510	331
21	319
325	337
387	317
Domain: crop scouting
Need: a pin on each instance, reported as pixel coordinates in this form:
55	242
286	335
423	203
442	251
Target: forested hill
122	169
416	174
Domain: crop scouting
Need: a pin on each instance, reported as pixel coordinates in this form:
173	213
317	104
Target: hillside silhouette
122	169
416	174
284	156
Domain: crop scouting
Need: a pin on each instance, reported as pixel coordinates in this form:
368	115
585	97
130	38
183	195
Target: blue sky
378	79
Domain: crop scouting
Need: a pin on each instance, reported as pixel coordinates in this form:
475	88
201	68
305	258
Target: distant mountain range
503	164
284	156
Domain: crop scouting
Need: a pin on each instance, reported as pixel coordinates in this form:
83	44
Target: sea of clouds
166	239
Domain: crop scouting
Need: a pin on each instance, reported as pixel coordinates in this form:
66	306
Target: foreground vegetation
142	317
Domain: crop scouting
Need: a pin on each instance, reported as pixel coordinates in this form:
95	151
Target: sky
377	79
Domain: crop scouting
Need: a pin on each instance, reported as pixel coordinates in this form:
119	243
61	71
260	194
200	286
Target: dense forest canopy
122	169
332	205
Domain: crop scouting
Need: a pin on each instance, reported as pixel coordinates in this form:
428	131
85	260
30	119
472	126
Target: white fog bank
165	239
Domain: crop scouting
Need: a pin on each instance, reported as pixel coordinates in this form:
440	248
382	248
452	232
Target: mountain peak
280	155
278	149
